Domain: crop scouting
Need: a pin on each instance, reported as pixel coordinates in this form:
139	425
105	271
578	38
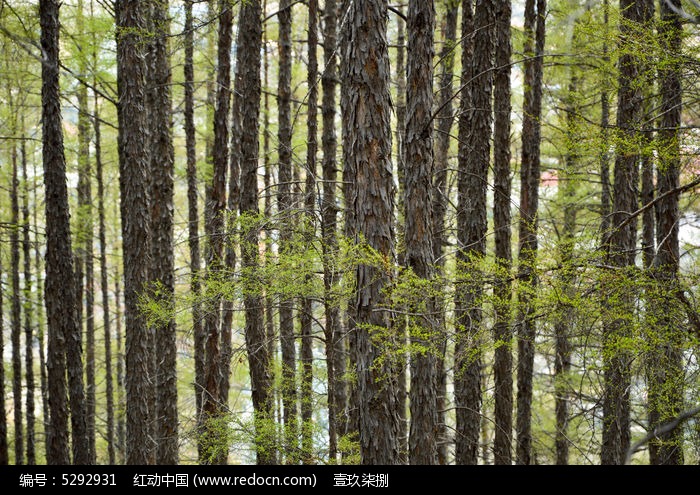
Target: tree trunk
503	291
419	230
284	207
535	11
28	309
161	271
666	376
604	157
306	316
121	406
329	221
250	27
474	158
104	285
134	163
366	109
4	454
16	314
441	193
60	293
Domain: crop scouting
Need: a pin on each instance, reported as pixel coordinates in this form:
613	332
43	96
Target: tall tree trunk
329	220
284	207
104	285
604	156
647	137
250	27
16	314
445	119
306	317
418	198
134	163
366	109
666	375
161	270
216	206
471	234
621	245
400	322
4	454
84	243
60	294
121	406
503	291
28	308
193	217
535	11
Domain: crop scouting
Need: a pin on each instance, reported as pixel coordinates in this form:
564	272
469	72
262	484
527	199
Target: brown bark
535	11
366	109
503	291
134	163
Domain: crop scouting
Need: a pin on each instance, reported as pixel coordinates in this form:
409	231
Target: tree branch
661	430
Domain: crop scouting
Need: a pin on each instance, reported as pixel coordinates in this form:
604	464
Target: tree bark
16	314
418	199
503	291
134	163
4	454
284	207
60	293
535	11
250	27
441	193
366	110
666	376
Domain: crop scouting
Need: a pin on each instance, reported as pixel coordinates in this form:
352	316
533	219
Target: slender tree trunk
329	219
604	157
162	256
134	163
471	234
104	286
61	297
306	316
16	314
666	376
366	109
284	207
4	455
250	27
621	247
400	322
503	291
418	201
535	11
193	217
28	309
445	119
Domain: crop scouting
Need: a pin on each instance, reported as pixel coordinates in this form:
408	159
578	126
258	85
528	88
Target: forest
349	232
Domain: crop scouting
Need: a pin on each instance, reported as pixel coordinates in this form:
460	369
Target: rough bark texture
250	27
60	292
121	406
366	109
215	215
284	209
419	230
502	330
535	11
666	373
28	311
329	221
605	198
16	314
134	163
621	245
445	119
474	159
104	288
162	249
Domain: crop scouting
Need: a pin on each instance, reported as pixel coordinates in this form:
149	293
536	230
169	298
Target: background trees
331	311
